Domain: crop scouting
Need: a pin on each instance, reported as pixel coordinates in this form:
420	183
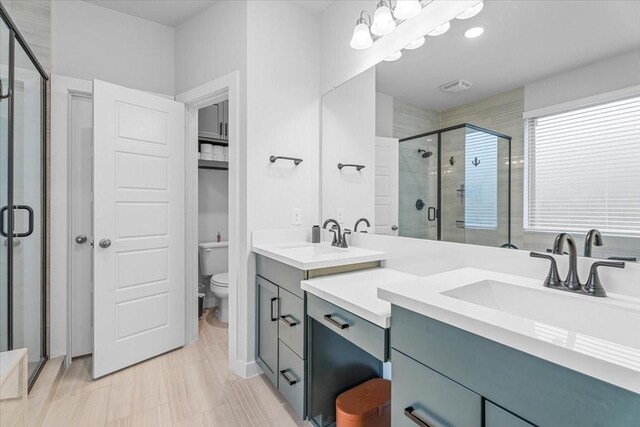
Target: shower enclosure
22	198
455	185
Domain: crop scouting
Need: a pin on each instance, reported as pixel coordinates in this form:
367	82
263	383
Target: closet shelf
213	141
213	164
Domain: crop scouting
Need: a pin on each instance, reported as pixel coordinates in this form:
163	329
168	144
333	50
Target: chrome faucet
365	220
343	243
572	281
594	238
337	234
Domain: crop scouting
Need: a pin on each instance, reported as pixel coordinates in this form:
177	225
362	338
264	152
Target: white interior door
81	222
139	253
386	213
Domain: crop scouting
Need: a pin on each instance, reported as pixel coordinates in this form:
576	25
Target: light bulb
393	57
383	22
474	32
471	12
438	31
361	36
406	9
415	44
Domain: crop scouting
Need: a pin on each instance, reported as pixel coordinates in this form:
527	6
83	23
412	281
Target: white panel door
139	254
386	213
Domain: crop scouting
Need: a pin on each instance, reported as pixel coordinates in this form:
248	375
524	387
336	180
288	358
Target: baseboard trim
244	369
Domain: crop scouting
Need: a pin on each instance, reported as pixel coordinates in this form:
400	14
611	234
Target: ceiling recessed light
393	57
471	12
438	31
415	44
474	32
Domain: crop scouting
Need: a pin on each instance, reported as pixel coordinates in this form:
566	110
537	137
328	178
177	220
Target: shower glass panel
418	183
4	186
465	185
28	190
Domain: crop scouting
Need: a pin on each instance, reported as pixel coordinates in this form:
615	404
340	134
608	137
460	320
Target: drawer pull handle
330	319
274	318
408	412
289	381
287	322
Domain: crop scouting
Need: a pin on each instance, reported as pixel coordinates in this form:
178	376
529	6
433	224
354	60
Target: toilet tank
214	258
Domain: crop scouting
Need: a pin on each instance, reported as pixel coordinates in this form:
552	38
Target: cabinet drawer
281	274
495	416
421	396
369	337
291	322
291	378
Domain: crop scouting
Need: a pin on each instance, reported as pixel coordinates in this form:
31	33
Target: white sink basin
582	314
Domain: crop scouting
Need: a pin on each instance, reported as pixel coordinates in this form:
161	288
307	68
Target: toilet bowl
219	286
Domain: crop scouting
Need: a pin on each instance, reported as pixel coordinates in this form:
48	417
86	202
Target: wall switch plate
340	215
296	216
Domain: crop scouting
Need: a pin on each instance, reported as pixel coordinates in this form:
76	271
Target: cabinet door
495	416
422	397
268	328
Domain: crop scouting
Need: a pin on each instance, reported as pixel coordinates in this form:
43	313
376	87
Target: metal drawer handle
408	412
330	319
288	322
289	381
273	317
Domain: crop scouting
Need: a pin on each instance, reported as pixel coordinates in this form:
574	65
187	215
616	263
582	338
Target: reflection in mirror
529	129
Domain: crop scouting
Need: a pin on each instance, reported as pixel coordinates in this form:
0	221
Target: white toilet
214	261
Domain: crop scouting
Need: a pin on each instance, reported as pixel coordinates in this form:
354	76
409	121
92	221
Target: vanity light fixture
406	9
471	12
383	20
394	56
440	30
474	32
361	34
415	44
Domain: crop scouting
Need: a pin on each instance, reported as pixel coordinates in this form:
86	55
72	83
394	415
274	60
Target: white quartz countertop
596	336
357	292
310	256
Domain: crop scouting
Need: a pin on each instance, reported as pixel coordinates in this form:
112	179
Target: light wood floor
190	386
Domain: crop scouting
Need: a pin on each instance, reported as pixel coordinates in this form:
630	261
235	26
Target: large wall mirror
529	129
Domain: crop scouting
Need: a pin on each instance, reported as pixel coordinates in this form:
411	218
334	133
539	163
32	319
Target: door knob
394	227
80	239
104	243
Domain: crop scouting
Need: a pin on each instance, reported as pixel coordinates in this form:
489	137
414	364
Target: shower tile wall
417	175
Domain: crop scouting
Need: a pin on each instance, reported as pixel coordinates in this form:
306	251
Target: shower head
425	153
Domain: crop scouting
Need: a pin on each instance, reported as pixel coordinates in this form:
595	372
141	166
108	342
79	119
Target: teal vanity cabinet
280	327
445	376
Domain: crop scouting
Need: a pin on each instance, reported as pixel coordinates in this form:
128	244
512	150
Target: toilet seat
220	280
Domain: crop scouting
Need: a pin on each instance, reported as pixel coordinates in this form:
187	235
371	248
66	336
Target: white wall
604	76
348	136
90	42
384	115
213	204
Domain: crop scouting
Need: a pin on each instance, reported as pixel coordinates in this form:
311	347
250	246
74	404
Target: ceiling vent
456	86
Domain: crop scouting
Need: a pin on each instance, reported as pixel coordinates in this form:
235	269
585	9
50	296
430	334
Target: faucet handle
594	285
344	238
553	278
336	236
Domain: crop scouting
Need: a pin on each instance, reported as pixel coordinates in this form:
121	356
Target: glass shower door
28	210
4	186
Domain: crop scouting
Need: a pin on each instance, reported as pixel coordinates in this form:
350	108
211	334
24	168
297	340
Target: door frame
225	87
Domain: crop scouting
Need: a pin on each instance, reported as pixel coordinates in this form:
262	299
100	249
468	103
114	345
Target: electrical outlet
340	215
296	216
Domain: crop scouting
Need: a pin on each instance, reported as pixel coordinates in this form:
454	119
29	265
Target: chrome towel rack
295	160
350	165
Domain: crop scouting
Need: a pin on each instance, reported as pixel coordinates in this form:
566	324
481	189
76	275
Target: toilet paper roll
207	156
206	148
225	152
218	152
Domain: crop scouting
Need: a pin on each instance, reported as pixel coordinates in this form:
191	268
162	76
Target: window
583	169
481	181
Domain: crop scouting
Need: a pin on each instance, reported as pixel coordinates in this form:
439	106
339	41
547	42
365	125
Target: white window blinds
583	169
